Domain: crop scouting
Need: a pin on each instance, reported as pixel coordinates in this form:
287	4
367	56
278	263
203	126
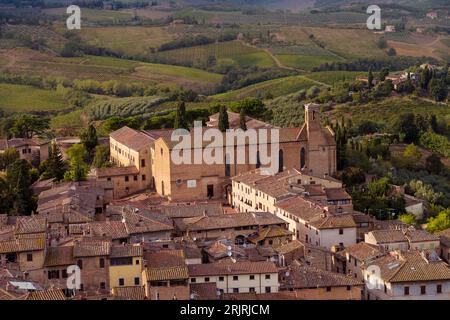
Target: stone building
146	158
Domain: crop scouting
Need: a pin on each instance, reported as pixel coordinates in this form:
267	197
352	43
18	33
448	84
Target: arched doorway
280	161
302	158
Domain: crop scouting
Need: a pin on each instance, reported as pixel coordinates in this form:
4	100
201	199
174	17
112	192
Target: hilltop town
226	150
147	229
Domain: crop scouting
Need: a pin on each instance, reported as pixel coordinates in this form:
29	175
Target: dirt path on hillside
274	58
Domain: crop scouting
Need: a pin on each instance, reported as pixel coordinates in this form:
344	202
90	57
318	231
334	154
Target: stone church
311	149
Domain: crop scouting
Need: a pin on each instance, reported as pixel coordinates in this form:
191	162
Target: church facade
310	149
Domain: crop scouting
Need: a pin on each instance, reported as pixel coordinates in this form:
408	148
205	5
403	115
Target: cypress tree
56	167
242	120
370	78
223	119
89	138
180	117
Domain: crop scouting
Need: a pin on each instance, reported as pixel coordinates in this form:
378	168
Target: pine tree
223	119
180	117
242	119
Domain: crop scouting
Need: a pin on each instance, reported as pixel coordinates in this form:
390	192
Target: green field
387	111
123	107
274	88
72	119
93	15
29	62
127	40
20	98
346	43
234	50
306	62
331	77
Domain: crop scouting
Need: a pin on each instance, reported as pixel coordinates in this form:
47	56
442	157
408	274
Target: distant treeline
375	64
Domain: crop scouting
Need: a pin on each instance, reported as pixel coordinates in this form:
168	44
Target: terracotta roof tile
167	273
131	138
240	267
289	247
361	251
122	251
59	256
46	295
193	210
22	245
411	267
165	258
302	277
129	293
91	248
32	224
389	236
228	221
113	229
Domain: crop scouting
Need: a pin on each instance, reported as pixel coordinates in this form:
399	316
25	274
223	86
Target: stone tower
321	146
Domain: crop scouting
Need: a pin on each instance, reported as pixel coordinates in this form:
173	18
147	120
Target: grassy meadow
273	88
21	98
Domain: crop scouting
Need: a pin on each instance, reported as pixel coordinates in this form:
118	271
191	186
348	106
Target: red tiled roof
240	267
131	138
92	248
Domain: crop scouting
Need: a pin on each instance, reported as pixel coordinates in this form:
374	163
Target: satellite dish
194	238
230	253
229	248
287	274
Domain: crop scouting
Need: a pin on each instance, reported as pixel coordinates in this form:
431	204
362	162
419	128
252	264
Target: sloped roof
33	224
92	248
193	210
240	267
22	245
129	293
411	267
389	236
46	295
270	232
361	251
167	273
113	229
131	138
303	277
125	250
59	256
228	221
289	247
